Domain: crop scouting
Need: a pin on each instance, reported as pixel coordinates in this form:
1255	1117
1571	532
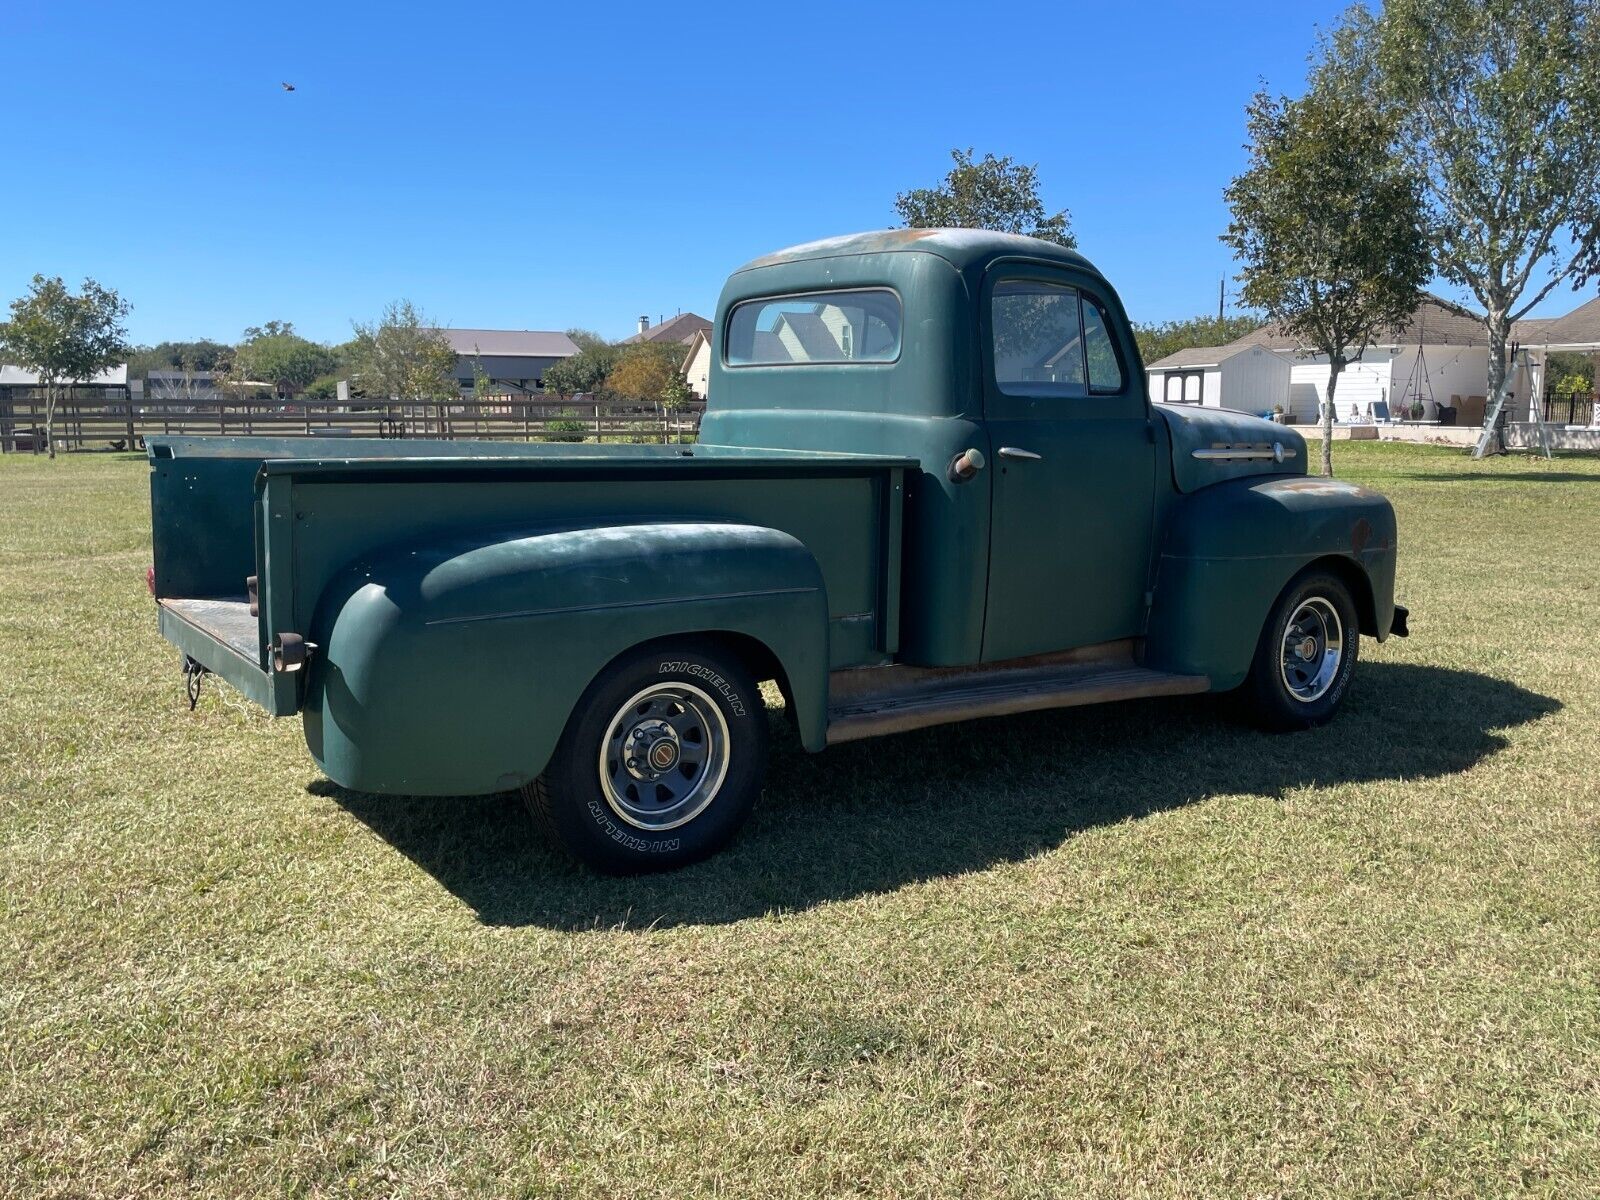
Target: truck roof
961	248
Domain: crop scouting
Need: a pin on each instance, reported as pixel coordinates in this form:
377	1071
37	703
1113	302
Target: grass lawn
1126	951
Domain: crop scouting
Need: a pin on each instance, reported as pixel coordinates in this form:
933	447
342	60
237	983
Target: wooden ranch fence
110	421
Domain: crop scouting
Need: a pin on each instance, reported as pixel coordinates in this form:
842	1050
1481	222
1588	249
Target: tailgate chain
193	675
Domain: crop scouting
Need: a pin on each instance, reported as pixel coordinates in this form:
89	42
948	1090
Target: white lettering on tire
683	667
627	840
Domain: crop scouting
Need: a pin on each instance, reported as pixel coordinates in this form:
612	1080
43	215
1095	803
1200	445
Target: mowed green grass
1129	951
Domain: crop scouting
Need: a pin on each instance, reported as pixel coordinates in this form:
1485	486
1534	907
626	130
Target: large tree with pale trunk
64	338
1496	105
1327	227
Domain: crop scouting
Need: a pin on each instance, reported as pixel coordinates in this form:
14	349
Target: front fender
451	667
1230	549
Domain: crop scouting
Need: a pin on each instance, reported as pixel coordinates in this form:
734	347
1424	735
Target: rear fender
451	667
1229	551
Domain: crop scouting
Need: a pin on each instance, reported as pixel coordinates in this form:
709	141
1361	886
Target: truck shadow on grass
872	816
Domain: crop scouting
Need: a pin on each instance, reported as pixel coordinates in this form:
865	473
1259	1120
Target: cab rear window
860	326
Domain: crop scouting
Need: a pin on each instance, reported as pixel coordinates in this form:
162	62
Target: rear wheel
660	762
1305	656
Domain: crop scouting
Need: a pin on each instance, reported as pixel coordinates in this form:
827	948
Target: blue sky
523	165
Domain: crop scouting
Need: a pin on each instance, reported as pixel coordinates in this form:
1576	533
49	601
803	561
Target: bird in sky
288	87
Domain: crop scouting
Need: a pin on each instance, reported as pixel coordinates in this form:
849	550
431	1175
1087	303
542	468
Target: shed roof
1194	356
511	343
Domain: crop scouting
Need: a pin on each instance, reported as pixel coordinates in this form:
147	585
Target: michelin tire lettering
706	674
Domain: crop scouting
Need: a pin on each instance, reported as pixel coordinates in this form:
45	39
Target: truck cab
929	486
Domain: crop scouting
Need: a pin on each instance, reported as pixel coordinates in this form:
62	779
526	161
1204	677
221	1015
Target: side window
1038	339
1105	370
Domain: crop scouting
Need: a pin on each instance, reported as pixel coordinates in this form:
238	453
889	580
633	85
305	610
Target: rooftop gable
680	328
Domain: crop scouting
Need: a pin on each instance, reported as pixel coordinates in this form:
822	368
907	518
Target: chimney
644	323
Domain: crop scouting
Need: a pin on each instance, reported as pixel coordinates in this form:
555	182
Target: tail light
150	579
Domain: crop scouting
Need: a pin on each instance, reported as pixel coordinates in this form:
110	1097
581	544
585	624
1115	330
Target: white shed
1247	378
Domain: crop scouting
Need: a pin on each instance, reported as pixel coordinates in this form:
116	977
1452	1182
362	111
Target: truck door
1073	474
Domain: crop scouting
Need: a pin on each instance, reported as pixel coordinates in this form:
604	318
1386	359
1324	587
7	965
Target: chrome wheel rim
664	756
1311	650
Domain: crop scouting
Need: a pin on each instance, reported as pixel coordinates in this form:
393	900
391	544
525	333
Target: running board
871	701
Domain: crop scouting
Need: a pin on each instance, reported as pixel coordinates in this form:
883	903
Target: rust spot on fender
1360	535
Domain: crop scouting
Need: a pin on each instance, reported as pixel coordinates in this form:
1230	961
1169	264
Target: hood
1230	445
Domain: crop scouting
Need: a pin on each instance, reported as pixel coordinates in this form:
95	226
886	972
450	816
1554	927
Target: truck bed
295	512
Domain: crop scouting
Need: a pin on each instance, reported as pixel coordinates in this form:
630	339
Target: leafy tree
275	354
994	193
1327	226
586	339
64	338
1496	104
1573	371
323	387
645	371
404	355
1168	337
677	393
482	384
585	371
201	355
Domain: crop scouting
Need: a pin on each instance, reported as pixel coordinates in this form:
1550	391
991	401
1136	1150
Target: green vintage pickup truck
929	486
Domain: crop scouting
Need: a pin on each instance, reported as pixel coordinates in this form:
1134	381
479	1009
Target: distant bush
565	428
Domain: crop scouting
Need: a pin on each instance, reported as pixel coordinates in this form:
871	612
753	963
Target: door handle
1018	452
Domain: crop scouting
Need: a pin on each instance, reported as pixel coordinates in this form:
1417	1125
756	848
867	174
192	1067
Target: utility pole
1221	285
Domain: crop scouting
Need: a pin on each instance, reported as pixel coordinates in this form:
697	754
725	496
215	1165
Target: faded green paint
462	596
501	633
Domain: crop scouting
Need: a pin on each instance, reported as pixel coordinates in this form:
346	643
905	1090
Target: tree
1158	341
200	355
275	354
1569	371
677	393
1495	104
645	371
586	370
995	193
1327	226
403	355
64	338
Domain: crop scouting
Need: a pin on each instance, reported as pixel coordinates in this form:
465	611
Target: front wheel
660	762
1305	656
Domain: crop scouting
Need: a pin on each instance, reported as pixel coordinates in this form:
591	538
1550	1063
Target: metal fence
1569	408
124	422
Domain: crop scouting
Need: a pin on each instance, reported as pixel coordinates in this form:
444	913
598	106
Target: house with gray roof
1439	359
680	328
